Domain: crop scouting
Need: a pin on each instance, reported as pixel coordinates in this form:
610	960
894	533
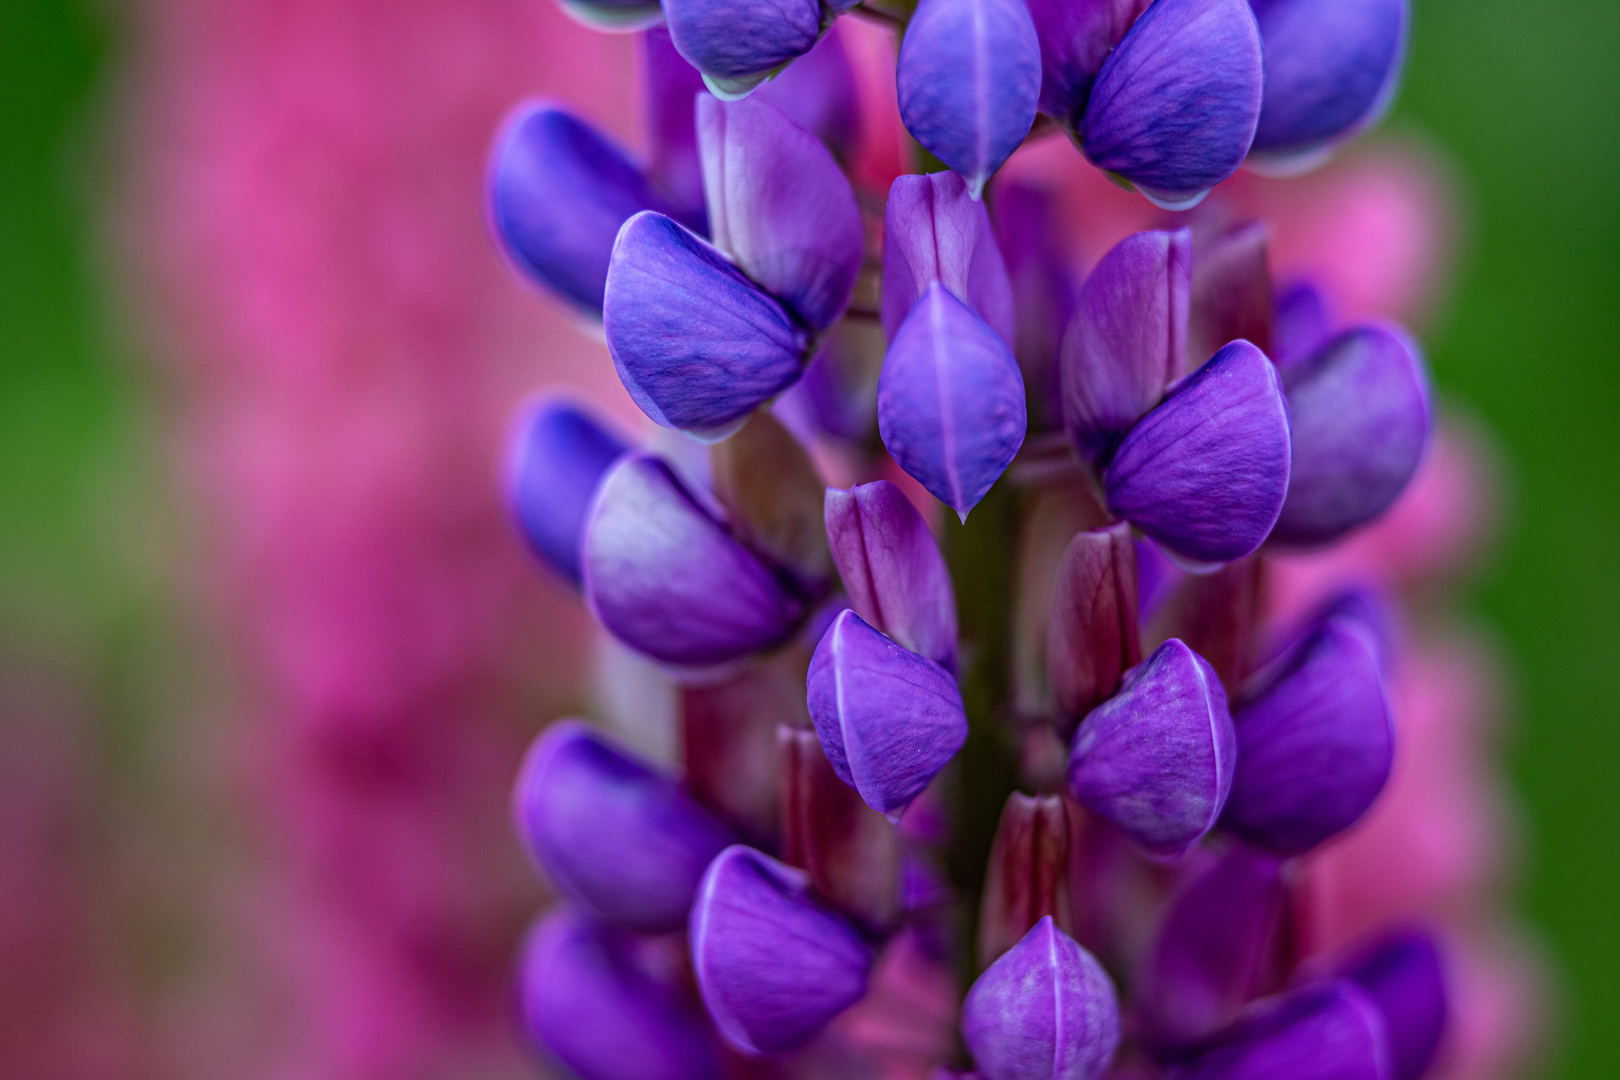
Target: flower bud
780	206
1231	291
667	579
1359	408
950	401
585	999
738	43
933	230
773	965
1205	473
1403	974
892	568
616	836
558	455
1322	1031
1045	1010
1314	743
1092	639
558	193
1156	759
968	80
697	344
1044	293
1127	340
1217	948
1076	37
888	718
769	485
1174	107
1028	876
1331	68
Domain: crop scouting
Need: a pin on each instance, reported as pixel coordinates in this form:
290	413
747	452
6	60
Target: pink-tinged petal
933	230
1028	878
1092	639
818	92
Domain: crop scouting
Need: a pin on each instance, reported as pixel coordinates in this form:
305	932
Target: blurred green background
1525	97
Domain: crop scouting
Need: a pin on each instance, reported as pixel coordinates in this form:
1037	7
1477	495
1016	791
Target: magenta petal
1127	340
1206	472
668	580
967	81
950	401
774	965
586	1000
1045	1010
780	206
1157	758
934	231
1359	408
1323	1031
616	836
1403	972
892	568
889	719
1092	637
1076	37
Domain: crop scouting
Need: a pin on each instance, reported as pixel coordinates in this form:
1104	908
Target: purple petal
670	90
892	568
1092	639
1315	744
1403	973
586	1000
1175	106
1028	878
889	719
613	16
1216	949
1300	323
668	580
1156	579
818	93
1231	292
1331	68
950	401
1127	340
1157	758
622	840
934	231
838	393
1044	293
968	79
780	206
1359	409
1205	473
697	345
773	965
1322	1031
737	43
1045	1011
1076	37
558	193
558	452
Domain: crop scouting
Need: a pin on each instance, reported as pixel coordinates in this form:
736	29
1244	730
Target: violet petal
558	452
818	92
1157	758
1076	37
1206	472
889	719
1300	323
738	43
950	401
1403	972
669	95
934	231
773	965
668	580
1322	1031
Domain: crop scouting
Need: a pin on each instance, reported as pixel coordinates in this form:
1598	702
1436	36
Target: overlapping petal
1322	1031
933	230
558	453
1076	37
1092	638
1403	973
736	44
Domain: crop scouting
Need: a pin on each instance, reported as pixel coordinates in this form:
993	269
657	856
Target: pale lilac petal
819	93
933	230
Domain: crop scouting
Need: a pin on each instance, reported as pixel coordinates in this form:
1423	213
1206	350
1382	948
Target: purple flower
584	998
1322	1031
1092	638
892	569
1314	743
1045	1010
950	400
1359	408
934	231
1331	69
1157	758
1205	473
558	193
1231	291
1403	973
1076	37
1300	323
968	79
736	44
773	964
666	577
670	86
697	344
558	452
780	207
888	718
1175	106
1128	339
614	835
1028	878
1044	293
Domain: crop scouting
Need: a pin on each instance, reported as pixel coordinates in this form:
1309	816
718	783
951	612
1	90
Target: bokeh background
113	686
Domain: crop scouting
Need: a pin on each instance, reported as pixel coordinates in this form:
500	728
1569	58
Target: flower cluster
1145	440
